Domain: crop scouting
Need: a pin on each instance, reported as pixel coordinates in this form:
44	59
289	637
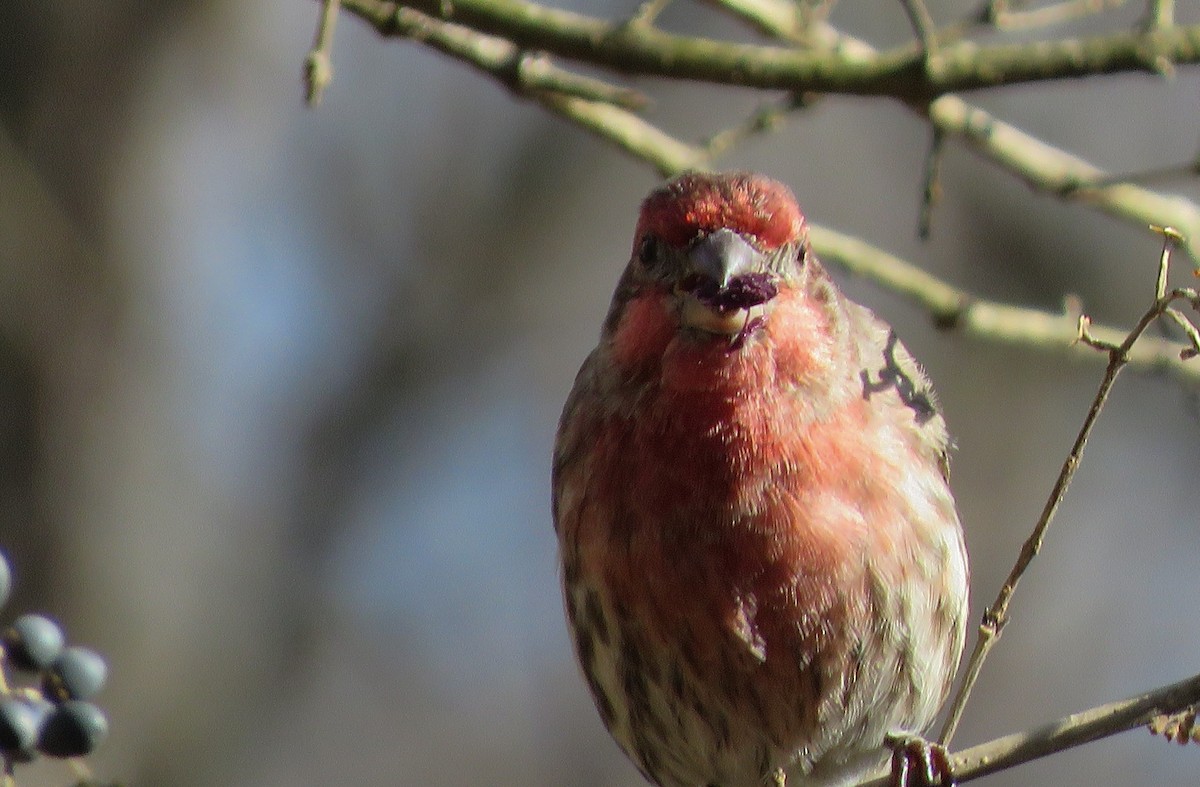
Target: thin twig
1189	330
923	27
528	75
318	64
647	13
1160	14
1068	732
1164	173
996	615
81	770
1054	171
776	18
1046	16
766	118
629	132
790	21
590	103
995	8
991	321
995	16
535	73
932	191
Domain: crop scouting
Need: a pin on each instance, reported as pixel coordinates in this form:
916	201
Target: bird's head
711	254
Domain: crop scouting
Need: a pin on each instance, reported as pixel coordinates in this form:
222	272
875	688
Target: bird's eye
648	251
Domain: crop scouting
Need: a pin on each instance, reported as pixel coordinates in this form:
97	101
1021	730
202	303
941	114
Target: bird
762	563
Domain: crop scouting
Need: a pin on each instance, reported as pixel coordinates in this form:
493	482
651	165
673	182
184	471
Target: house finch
762	563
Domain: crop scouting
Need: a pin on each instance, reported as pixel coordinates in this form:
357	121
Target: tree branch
318	65
592	104
526	74
575	98
990	320
630	133
1068	732
1118	355
1048	169
901	73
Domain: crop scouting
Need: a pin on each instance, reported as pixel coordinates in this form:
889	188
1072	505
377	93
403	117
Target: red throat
788	349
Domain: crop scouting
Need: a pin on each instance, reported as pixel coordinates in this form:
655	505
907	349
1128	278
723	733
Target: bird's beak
728	288
722	256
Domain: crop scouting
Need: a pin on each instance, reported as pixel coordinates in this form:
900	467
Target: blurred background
278	389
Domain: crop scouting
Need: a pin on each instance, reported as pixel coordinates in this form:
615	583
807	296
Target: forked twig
923	27
996	616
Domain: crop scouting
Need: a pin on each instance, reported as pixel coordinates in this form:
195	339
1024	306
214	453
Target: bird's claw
917	762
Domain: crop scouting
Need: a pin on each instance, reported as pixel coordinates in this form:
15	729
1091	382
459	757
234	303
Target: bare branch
923	26
646	50
800	23
641	47
523	73
1054	14
648	12
931	194
1160	14
318	65
996	616
1166	172
768	117
632	134
603	109
593	104
989	320
776	18
1068	732
1048	169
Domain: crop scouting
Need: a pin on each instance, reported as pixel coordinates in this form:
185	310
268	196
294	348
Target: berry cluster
50	712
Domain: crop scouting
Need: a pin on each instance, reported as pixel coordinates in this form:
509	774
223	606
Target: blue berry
5	579
77	674
32	643
21	721
74	728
